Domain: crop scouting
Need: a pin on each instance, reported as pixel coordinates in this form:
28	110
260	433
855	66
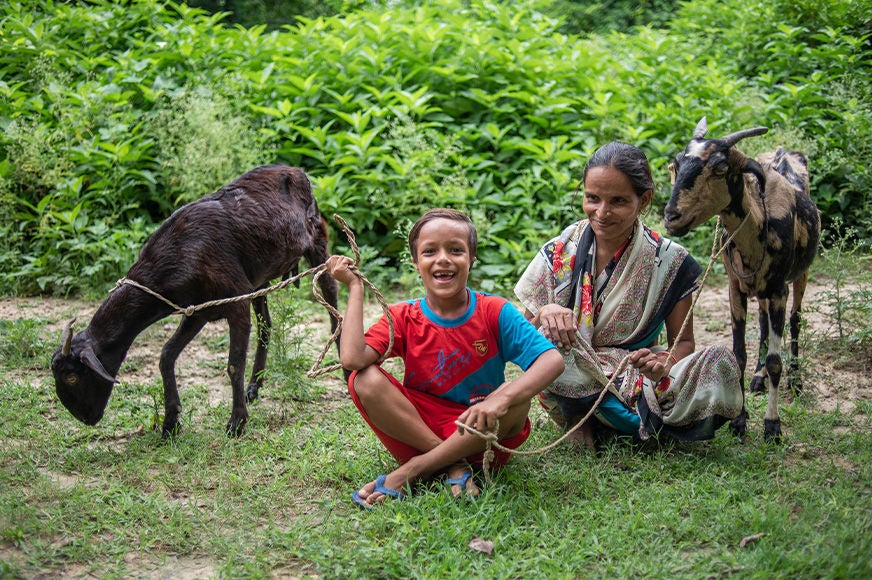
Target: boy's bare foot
459	477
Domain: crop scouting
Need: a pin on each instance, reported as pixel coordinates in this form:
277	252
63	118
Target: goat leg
239	320
738	312
264	330
776	307
758	381
187	330
794	381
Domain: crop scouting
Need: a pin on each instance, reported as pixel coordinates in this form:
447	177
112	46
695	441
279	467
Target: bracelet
669	354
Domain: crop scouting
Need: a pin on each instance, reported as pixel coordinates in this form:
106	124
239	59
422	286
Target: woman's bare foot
459	476
581	437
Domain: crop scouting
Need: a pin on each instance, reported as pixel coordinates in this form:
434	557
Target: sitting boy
455	343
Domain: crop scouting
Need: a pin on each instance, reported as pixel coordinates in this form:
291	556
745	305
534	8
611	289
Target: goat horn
734	138
67	338
90	360
701	129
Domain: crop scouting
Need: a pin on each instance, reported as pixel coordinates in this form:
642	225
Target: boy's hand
484	416
340	267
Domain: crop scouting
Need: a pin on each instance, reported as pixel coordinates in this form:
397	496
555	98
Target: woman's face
611	204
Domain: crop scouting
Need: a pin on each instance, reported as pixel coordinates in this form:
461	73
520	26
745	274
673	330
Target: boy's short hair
443	213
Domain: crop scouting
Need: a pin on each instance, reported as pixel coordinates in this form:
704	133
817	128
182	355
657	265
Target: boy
455	343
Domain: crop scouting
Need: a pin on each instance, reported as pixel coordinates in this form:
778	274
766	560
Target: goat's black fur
229	243
775	248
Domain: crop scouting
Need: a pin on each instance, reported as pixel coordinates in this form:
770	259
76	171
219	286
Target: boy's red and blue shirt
461	359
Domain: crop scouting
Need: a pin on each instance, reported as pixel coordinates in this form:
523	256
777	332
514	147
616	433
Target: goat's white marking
696	148
772	391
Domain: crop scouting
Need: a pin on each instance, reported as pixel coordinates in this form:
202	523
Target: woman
605	288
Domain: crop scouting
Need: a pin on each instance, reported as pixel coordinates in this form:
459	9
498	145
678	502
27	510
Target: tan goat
778	225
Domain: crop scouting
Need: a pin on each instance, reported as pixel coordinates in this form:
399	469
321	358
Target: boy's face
442	257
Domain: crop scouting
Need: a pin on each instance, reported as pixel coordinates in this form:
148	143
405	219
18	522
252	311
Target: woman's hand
654	365
558	325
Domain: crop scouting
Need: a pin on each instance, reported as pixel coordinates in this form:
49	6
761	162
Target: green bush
112	115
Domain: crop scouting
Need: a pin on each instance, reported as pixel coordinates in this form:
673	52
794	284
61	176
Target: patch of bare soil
833	380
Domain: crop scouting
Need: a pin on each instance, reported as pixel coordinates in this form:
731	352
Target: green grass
116	500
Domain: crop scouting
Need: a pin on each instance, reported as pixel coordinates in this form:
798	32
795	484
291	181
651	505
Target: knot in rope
491	439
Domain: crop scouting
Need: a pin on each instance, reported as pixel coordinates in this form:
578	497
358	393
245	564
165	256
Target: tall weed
847	297
203	143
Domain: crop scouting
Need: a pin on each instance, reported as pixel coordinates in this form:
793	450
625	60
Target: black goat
226	244
774	248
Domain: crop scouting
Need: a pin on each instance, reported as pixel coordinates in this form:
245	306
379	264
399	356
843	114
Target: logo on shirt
480	346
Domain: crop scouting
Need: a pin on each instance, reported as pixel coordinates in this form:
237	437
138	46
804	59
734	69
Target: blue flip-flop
461	481
379	487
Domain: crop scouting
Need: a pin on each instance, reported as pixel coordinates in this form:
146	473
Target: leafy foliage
114	114
273	13
587	17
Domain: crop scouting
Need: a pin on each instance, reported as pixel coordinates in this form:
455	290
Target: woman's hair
442	213
627	159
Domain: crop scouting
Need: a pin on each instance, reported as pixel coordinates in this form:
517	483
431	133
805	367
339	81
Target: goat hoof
795	386
758	385
252	392
738	425
170	429
235	428
772	430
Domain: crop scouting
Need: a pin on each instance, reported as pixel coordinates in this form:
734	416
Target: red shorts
439	415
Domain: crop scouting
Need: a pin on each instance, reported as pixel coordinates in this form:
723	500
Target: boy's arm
538	375
544	370
355	354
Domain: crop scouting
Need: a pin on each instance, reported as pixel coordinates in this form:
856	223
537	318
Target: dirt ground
832	380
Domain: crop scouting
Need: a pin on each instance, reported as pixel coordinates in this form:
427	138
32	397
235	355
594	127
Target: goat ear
701	129
755	169
90	360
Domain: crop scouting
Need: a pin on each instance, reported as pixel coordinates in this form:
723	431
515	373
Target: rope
316	274
491	438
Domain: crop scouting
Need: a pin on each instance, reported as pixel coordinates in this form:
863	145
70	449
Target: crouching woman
603	290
